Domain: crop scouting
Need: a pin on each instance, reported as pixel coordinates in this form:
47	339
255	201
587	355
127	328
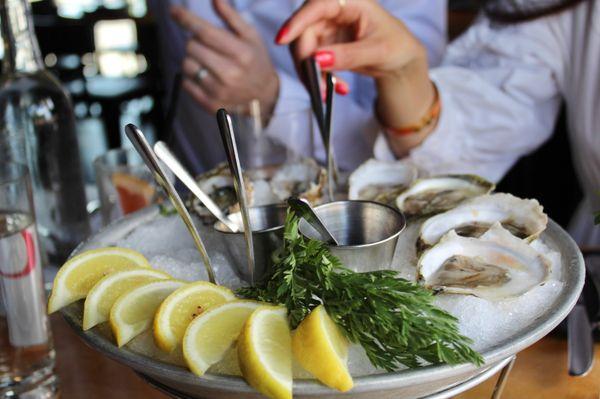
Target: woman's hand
360	36
235	63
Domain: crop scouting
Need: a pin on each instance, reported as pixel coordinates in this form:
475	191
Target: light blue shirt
354	125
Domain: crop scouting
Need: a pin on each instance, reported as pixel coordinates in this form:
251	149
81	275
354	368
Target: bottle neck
21	49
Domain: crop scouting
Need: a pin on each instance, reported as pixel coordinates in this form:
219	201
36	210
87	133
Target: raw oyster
495	266
380	181
304	179
218	184
264	186
524	218
437	194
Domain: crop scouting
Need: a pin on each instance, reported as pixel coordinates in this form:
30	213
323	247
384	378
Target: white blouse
501	89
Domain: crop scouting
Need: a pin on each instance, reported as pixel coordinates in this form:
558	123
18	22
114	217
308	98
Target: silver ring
201	74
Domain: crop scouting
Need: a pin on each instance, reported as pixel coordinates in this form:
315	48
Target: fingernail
342	88
282	33
325	58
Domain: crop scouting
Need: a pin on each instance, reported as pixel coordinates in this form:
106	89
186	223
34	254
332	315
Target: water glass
26	350
125	184
12	147
286	138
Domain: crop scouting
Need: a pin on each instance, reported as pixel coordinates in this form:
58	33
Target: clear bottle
26	350
34	105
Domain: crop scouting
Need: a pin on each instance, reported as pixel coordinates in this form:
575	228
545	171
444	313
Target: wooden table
540	372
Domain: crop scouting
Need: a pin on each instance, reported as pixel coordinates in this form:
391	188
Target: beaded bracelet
431	116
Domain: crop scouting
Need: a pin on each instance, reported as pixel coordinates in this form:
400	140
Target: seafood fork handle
140	143
228	137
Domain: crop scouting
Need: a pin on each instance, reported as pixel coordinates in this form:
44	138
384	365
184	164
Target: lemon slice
105	293
134	311
265	352
322	349
76	277
211	334
181	307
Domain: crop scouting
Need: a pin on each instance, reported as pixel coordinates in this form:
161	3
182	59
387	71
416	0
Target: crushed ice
169	247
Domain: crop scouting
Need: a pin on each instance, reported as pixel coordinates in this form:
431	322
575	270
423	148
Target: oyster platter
475	277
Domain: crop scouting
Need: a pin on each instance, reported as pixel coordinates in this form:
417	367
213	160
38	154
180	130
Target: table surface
540	372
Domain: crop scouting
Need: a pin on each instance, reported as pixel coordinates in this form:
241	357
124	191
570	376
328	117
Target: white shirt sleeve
500	94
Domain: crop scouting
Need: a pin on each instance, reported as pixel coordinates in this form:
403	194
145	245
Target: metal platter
409	384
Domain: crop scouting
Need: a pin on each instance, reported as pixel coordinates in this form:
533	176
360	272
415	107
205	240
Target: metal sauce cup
267	235
367	232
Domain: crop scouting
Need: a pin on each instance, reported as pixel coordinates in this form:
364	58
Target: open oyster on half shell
304	179
218	184
437	194
380	181
265	186
495	266
524	218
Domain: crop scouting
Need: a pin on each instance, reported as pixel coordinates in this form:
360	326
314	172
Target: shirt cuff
441	151
382	150
445	143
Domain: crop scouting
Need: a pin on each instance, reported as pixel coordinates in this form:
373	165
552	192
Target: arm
500	98
355	126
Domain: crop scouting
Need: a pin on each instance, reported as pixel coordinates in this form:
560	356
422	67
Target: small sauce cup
367	232
267	236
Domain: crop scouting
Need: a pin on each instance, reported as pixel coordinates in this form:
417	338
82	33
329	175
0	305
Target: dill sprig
393	319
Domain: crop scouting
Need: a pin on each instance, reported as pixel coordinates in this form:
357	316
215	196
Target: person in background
226	52
496	96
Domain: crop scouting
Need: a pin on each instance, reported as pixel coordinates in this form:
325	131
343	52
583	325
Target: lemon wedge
322	349
76	277
105	293
265	352
211	334
134	311
181	307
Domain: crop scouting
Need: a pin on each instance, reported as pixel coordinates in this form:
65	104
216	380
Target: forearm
404	98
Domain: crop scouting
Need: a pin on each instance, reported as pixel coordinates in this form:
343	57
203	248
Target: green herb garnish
393	319
166	210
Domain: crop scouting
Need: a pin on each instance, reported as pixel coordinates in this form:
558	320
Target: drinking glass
12	147
125	184
26	350
287	137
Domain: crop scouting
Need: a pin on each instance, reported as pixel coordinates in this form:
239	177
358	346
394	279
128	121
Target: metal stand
502	378
506	365
473	382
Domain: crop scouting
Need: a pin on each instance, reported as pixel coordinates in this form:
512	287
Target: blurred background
106	54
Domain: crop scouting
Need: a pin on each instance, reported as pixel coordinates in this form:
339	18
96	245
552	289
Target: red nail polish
325	58
342	88
282	33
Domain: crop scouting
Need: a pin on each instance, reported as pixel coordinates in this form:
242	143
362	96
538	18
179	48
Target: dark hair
512	11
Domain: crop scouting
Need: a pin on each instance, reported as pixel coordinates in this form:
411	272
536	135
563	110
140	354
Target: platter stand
505	366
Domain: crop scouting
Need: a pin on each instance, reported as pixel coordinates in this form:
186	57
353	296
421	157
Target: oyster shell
524	218
495	266
380	181
218	184
304	179
264	186
437	194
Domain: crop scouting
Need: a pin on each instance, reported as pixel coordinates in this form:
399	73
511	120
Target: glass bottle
26	352
35	109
